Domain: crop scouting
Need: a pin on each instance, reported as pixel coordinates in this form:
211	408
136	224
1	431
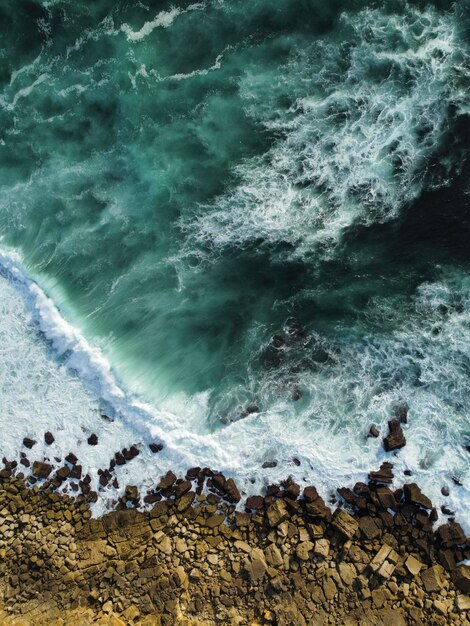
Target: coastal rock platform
196	559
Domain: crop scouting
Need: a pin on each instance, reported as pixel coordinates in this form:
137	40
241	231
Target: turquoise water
259	213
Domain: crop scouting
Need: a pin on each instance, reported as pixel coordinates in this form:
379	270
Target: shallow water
258	217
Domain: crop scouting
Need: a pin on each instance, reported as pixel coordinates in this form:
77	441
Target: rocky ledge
194	559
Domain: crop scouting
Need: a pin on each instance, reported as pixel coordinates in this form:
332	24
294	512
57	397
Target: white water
52	379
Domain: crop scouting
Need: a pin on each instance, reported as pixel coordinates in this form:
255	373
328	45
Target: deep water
258	211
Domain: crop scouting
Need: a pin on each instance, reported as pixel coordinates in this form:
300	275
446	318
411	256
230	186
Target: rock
303	550
395	439
445	491
310	494
63	473
185	501
29	443
373	432
231	491
322	547
254	503
344	523
132	492
401	413
155	447
49	438
383	475
167	481
461	578
380	597
413	565
463	602
255	565
369	528
329	588
71	458
269	464
165	546
348	573
92	440
386	498
432	578
291	489
451	534
413	494
273	556
41	470
276	513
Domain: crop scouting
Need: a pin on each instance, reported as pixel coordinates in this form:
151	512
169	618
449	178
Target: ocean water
239	229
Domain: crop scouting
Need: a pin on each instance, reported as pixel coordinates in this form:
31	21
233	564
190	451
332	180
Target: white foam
164	19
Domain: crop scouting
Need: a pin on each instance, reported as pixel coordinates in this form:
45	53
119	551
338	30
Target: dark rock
25	462
413	494
155	447
49	438
373	432
29	443
76	471
92	440
41	470
63	473
132	493
131	453
167	481
251	408
408	472
433	516
383	475
254	503
182	488
447	559
369	527
386	498
232	492
395	439
451	535
296	394
347	495
218	482
193	473
310	494
456	481
446	510
445	491
119	458
461	578
269	464
71	458
291	489
296	461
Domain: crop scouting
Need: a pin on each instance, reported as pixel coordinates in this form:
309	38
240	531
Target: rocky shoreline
194	558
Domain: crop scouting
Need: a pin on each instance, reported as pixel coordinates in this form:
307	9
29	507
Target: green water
189	180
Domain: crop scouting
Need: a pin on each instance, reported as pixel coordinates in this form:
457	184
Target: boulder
369	528
254	503
451	534
29	443
373	432
413	494
41	470
461	577
155	447
344	523
303	550
276	513
413	565
49	438
92	440
255	564
232	492
395	439
432	578
386	498
383	475
167	481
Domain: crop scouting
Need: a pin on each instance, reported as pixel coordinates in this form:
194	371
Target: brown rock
255	565
155	447
373	432
413	565
344	523
461	577
303	550
49	438
451	534
254	503
29	443
386	498
276	513
41	470
432	578
310	494
231	491
383	475
167	481
92	440
395	439
413	494
369	528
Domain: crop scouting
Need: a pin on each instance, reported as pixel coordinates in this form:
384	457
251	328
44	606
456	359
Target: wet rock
373	431
413	494
401	413
167	481
63	473
232	492
254	503
445	491
41	470
383	475
76	472
451	534
49	438
29	443
291	489
92	440
310	494
269	464
155	447
386	498
369	528
395	439
71	458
